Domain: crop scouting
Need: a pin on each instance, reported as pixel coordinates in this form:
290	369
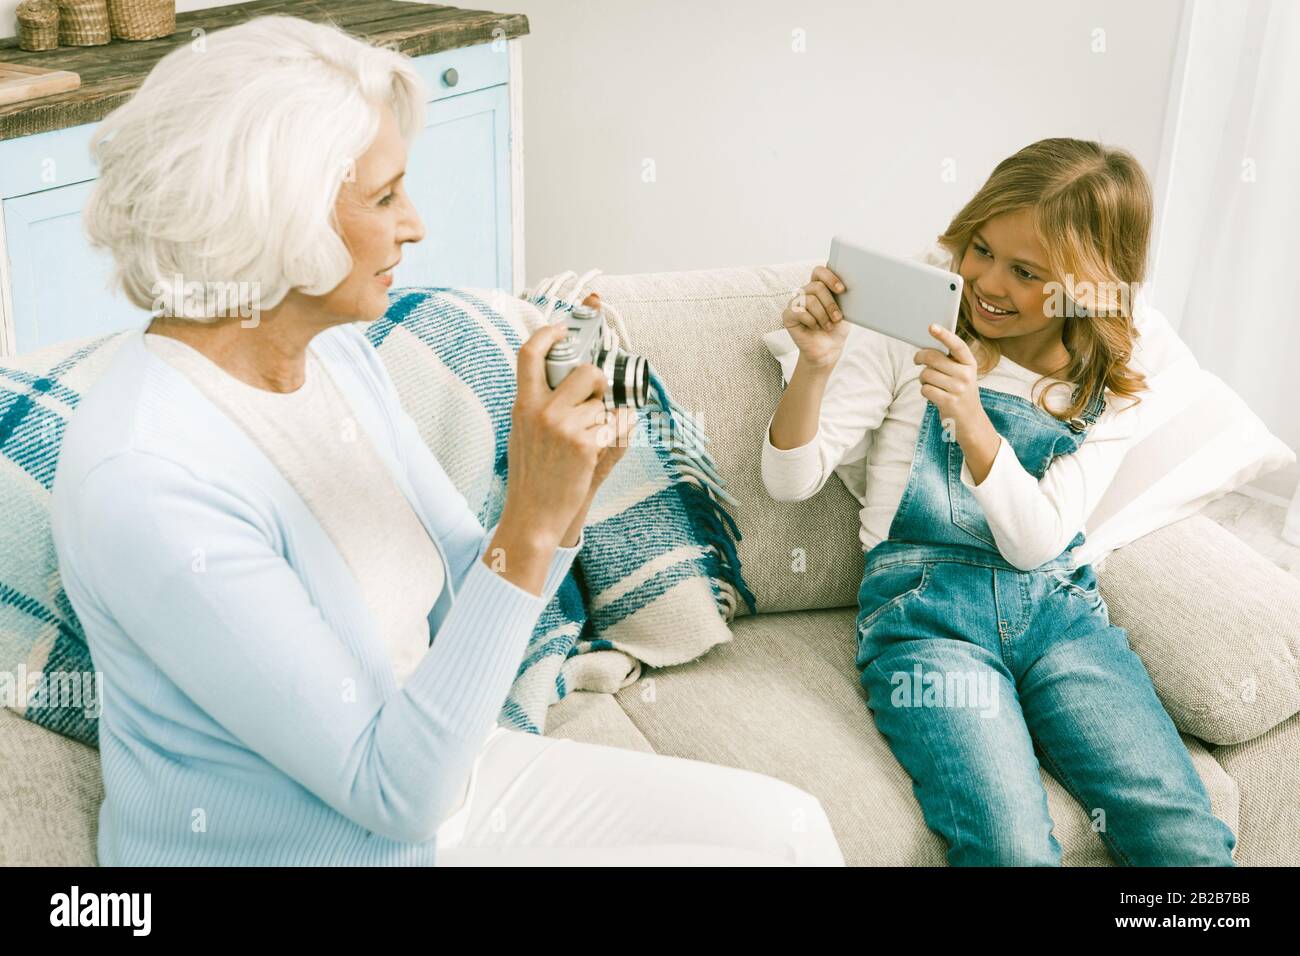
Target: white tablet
894	296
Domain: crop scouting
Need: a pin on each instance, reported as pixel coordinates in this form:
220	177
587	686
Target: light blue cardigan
250	714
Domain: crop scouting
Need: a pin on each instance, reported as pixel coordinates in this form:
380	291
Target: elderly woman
305	634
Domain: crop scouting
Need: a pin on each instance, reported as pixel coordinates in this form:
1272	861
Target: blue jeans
975	674
976	671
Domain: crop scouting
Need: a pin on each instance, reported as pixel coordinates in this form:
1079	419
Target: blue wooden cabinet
462	173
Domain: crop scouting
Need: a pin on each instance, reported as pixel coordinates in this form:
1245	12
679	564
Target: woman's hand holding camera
562	445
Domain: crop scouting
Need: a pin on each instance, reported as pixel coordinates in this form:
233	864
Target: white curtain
1227	264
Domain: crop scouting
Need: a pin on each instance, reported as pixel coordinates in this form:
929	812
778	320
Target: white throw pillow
1196	439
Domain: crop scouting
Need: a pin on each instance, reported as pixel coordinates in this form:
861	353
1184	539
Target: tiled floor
1259	524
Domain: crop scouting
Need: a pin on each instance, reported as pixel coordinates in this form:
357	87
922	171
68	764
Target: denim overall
975	671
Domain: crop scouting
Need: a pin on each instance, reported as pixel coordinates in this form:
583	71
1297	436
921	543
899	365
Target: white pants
548	801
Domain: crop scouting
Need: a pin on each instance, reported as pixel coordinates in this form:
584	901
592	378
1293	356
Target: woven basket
38	24
141	19
83	22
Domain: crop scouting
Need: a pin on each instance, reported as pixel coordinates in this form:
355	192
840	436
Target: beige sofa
1217	626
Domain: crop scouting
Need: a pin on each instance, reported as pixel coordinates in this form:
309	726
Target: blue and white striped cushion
39	632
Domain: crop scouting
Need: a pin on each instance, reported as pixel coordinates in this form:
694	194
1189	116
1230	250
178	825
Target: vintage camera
589	339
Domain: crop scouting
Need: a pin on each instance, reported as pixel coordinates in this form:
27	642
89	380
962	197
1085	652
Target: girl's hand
815	321
950	382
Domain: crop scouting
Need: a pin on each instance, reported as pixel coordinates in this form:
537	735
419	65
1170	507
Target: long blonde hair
1091	207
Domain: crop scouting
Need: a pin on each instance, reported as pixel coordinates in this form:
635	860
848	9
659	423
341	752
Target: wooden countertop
111	72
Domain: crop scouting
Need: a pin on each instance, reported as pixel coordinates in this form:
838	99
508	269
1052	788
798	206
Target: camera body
589	339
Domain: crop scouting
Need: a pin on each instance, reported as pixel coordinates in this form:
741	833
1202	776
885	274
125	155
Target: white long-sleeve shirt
870	416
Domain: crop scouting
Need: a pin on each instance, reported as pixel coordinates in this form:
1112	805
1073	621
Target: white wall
760	153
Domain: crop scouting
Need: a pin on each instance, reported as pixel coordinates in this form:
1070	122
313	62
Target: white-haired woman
261	548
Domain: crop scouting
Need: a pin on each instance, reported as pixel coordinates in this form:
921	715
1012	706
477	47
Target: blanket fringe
697	493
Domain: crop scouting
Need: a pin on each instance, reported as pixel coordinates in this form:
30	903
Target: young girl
983	648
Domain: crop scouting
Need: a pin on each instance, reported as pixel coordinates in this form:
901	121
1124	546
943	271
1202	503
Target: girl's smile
977	308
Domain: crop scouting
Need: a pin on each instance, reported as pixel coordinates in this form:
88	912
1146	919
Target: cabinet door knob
450	77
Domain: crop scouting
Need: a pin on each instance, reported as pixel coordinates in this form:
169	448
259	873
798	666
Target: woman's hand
815	321
562	443
621	424
951	383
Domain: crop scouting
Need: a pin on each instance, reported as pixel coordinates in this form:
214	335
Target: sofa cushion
702	332
1266	771
50	792
783	698
1216	624
595	719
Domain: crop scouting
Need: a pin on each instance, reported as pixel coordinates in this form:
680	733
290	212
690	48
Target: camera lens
952	286
629	378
